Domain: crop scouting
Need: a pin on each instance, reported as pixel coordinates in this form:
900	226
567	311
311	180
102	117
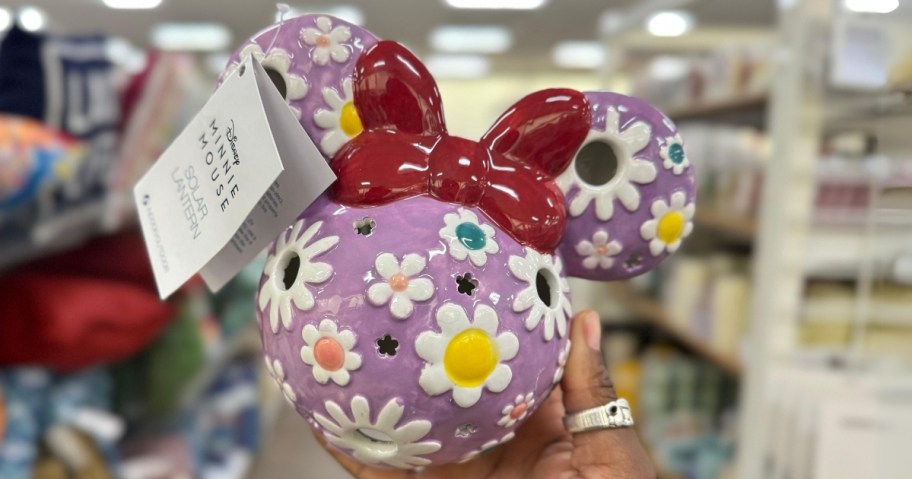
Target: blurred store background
777	344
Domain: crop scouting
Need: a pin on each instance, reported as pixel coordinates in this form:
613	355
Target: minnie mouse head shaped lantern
418	311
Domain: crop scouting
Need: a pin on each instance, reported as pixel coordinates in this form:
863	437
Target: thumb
615	453
586	383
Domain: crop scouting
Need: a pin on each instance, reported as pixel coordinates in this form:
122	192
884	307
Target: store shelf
651	310
748	105
739	227
654	313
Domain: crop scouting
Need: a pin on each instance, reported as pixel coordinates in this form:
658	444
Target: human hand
543	449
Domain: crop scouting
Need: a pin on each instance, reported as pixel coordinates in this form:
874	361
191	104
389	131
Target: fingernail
592	330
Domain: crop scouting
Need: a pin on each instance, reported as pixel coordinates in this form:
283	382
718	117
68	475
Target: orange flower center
323	41
398	282
329	354
601	249
518	410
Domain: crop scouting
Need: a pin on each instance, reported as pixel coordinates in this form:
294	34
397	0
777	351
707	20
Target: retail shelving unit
800	107
745	107
735	226
794	247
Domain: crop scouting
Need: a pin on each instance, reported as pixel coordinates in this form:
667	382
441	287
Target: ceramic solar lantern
417	313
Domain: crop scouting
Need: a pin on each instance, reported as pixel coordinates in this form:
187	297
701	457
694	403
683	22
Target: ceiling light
191	36
498	4
349	13
132	4
6	19
31	19
578	55
872	6
471	39
671	23
458	66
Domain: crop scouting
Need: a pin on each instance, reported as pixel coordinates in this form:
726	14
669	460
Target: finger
586	383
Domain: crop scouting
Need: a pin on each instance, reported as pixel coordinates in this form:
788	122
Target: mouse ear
544	129
394	91
629	190
311	60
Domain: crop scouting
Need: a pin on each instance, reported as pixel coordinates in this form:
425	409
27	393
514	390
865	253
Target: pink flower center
323	41
329	354
601	249
518	411
398	282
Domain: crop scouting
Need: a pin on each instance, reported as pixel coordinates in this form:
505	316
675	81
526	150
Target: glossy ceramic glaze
405	149
349	289
314	55
616	229
418	311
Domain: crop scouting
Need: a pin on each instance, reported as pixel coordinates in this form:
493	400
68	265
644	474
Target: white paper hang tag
239	173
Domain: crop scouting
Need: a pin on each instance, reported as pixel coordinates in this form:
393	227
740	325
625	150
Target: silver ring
615	414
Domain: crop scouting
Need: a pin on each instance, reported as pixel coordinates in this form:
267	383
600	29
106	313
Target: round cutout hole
292	266
545	283
278	80
379	443
596	163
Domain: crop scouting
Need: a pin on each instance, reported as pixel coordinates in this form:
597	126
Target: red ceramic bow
405	150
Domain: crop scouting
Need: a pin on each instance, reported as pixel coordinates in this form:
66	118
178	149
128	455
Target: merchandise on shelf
685	407
81	308
66	83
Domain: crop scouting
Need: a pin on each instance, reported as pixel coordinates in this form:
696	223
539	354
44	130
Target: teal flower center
676	153
471	236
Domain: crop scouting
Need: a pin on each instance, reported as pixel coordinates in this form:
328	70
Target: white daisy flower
673	154
277	372
328	42
626	144
487	446
546	296
517	410
467	237
379	441
400	284
598	252
341	121
289	269
276	62
466	356
329	351
561	363
670	224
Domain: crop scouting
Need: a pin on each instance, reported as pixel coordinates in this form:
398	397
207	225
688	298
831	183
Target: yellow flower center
470	358
671	226
349	120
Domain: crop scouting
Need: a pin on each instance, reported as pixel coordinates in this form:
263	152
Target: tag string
283	10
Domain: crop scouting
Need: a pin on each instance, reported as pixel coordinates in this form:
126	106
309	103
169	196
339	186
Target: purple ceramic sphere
313	58
630	191
413	332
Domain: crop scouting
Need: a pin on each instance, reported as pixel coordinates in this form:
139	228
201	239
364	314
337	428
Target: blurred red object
92	305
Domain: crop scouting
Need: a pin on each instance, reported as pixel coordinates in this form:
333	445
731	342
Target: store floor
291	452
